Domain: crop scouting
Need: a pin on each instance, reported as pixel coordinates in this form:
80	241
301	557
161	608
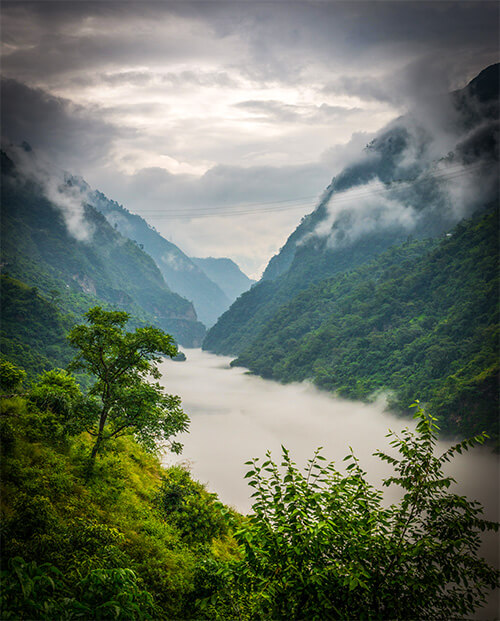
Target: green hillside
237	328
397	187
33	330
182	274
138	541
38	250
421	320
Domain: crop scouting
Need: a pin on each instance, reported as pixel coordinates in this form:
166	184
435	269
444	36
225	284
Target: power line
341	197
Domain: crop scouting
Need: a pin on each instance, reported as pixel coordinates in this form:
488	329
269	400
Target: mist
58	187
236	416
423	172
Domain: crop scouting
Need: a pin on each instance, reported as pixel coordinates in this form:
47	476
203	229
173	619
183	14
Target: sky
223	122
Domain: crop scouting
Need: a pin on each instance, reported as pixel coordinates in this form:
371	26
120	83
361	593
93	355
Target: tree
321	544
11	377
54	295
125	400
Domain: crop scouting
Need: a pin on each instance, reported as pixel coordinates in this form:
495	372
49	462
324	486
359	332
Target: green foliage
56	390
121	362
33	329
180	272
320	544
11	377
308	263
28	590
106	268
422	319
32	591
186	504
100	549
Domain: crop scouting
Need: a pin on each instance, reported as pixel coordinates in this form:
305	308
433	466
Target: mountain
226	274
420	320
52	241
181	273
420	175
33	330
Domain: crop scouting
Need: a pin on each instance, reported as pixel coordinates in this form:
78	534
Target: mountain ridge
39	248
408	188
180	272
226	274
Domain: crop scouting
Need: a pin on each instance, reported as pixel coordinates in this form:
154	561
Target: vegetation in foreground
138	541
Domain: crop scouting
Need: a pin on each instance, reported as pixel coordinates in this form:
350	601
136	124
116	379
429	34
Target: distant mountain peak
181	274
226	274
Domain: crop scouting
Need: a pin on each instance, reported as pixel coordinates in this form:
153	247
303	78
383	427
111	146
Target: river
236	416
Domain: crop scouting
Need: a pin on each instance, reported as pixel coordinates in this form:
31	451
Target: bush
186	504
321	545
11	377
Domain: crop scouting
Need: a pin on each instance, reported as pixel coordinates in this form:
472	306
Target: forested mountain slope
182	274
33	330
226	274
39	250
420	320
418	177
138	541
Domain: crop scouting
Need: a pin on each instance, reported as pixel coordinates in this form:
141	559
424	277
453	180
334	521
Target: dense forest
360	301
39	250
93	525
33	330
420	320
399	185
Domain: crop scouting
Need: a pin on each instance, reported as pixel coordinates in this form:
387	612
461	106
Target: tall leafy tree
127	400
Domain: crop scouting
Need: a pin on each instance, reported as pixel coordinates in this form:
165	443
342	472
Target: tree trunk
97	445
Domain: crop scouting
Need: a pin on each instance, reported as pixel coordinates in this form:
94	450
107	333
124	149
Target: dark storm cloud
282	37
154	99
54	125
368	36
50	39
409	85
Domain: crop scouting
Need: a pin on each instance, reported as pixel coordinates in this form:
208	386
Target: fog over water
236	416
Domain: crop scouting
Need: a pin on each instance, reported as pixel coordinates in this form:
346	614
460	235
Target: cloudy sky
223	122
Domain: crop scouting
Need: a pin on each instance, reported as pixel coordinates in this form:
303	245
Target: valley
250	355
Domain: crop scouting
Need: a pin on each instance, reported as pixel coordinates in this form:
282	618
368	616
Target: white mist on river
236	416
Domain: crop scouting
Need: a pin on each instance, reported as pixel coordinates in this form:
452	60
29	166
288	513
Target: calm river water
236	416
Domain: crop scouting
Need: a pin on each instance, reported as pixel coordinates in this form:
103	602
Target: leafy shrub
32	591
11	377
321	545
190	508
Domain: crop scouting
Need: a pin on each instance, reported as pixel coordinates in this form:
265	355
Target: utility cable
344	196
